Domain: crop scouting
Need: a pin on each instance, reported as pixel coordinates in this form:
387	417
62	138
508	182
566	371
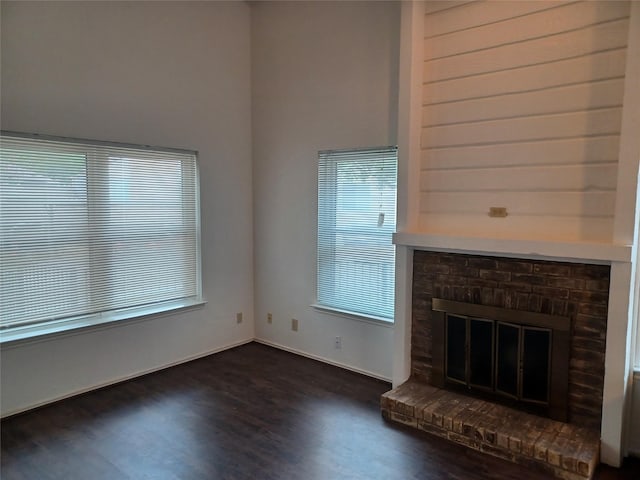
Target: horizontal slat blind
356	217
88	229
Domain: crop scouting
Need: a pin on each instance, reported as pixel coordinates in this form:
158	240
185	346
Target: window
356	218
91	230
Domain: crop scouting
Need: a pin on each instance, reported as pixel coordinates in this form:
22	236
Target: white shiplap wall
521	109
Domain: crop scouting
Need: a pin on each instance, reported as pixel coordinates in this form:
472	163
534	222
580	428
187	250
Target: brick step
559	449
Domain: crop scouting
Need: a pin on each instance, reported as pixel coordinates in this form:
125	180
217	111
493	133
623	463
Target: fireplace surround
577	291
529	287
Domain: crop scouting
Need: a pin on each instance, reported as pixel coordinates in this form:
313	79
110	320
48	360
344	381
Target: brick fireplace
576	291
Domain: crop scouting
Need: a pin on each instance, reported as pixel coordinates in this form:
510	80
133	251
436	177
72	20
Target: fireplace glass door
523	361
508	359
511	356
470	351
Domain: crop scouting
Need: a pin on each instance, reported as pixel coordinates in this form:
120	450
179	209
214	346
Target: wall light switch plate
294	324
499	212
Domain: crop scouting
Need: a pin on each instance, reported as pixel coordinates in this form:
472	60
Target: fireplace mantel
587	252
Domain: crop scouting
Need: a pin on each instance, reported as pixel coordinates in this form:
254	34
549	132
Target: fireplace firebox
513	357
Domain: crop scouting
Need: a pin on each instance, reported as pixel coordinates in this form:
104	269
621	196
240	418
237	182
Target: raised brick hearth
558	449
577	291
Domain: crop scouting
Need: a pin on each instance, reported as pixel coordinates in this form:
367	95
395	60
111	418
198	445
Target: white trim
409	132
402	332
360	317
410	113
629	153
534	249
618	389
18	336
125	378
321	359
616	378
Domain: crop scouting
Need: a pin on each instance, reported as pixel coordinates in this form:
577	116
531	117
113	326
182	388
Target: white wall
159	73
324	76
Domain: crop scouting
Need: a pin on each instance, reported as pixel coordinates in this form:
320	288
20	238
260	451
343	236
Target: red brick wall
577	291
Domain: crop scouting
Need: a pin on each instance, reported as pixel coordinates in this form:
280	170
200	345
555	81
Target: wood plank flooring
253	412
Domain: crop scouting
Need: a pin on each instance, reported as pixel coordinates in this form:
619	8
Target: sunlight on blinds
356	218
87	229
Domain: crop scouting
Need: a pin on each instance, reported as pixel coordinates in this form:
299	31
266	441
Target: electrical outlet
294	324
269	318
239	317
338	343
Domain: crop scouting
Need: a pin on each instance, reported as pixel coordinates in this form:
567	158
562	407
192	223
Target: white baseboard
322	359
188	359
125	378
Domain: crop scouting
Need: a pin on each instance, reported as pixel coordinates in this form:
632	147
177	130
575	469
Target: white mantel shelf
587	252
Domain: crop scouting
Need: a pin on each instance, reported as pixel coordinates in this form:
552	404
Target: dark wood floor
248	413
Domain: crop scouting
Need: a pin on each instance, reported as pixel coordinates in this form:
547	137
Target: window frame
329	211
68	324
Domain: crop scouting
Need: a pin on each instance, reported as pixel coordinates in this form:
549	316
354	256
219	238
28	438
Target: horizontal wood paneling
548	49
589	204
576	178
522	107
546	152
599	66
562	125
584	96
553	21
478	13
519	227
432	7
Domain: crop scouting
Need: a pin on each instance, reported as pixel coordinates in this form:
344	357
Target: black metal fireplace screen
515	357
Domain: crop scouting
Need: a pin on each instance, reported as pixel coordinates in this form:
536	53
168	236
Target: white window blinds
356	218
87	229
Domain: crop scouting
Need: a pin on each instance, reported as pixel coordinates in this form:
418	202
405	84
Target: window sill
28	333
360	317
